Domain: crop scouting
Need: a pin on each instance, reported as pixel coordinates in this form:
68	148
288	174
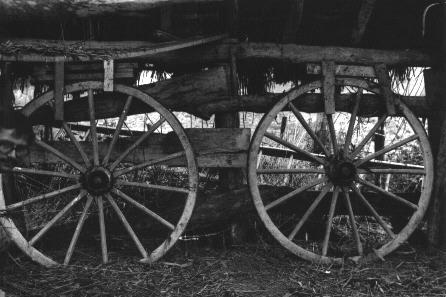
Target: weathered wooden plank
84	71
108	75
128	54
328	82
344	70
204	107
372	105
183	54
213	147
183	93
294	53
70	77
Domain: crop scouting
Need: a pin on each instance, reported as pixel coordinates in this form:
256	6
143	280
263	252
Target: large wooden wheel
103	171
334	182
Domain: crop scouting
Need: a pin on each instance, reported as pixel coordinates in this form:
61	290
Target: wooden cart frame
97	173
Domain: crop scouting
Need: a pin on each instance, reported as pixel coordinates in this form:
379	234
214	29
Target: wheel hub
98	180
341	171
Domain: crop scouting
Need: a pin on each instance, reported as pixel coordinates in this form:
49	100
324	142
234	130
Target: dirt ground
246	270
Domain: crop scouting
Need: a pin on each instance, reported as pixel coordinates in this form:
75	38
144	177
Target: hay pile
255	270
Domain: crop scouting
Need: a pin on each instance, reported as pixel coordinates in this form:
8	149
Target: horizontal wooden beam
294	53
371	104
204	107
181	93
22	55
213	148
195	51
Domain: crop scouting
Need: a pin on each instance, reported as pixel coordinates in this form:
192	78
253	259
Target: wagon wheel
111	176
345	191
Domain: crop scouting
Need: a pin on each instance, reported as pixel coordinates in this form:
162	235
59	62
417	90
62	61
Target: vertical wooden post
328	80
230	178
435	90
435	80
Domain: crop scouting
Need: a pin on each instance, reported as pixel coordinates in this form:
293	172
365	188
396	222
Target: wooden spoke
287	171
60	155
118	129
353	221
391	171
331	212
295	192
102	231
294	148
310	210
386	149
137	142
42	172
56	218
78	230
144	209
42	197
373	211
76	144
149	163
368	136
93	133
150	186
388	194
307	127
334	142
392	165
351	124
127	226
